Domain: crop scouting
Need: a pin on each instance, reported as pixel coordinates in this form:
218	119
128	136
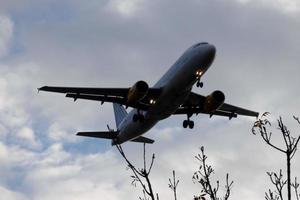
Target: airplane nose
210	52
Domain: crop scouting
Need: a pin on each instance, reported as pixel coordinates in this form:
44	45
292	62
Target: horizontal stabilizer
142	139
99	134
112	135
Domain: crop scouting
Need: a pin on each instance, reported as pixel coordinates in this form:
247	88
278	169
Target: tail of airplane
120	113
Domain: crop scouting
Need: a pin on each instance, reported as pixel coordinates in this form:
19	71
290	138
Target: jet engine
137	92
214	101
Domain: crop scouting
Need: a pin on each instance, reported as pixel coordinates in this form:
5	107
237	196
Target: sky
114	43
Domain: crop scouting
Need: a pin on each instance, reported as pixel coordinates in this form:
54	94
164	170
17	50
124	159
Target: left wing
114	95
227	110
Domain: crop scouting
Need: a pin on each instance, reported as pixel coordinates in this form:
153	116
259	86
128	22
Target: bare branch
278	181
202	176
297	119
152	161
295	185
294	149
290	149
138	174
228	187
173	185
271	196
260	126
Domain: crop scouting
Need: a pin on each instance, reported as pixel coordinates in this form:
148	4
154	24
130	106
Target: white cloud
13	155
287	6
11	195
6	33
16	89
166	134
76	176
291	6
58	133
27	135
126	8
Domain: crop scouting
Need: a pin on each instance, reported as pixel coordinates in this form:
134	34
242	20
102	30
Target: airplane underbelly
168	104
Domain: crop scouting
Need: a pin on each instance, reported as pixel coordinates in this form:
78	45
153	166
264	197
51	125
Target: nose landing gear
199	73
199	83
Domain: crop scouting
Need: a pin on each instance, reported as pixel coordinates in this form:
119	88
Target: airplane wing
114	95
227	110
238	110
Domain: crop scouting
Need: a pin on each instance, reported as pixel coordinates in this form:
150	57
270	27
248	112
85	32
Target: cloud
57	133
126	8
27	134
15	84
10	195
75	176
286	6
6	33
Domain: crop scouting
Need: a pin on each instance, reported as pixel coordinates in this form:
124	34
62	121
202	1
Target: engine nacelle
137	92
214	101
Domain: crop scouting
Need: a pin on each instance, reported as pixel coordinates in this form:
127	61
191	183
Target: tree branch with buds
289	148
203	177
141	176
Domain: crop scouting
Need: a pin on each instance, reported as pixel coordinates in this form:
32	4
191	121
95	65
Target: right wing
114	95
238	110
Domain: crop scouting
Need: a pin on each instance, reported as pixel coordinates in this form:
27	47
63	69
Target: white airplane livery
171	95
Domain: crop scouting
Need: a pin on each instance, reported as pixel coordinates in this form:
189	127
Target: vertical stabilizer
120	113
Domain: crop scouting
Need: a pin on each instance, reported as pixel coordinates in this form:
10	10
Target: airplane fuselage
176	85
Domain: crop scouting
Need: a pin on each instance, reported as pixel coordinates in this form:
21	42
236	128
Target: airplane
171	95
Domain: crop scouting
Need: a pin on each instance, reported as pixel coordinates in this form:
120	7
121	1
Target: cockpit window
201	43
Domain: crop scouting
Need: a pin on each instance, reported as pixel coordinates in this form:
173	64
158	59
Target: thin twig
142	173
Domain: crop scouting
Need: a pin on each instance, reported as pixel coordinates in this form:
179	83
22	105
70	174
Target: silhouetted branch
297	119
295	185
139	174
173	185
271	196
261	126
203	175
228	187
278	182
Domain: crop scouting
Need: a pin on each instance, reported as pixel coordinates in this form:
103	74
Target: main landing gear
188	123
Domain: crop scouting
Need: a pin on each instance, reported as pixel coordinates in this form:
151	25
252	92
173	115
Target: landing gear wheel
199	84
185	123
191	124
